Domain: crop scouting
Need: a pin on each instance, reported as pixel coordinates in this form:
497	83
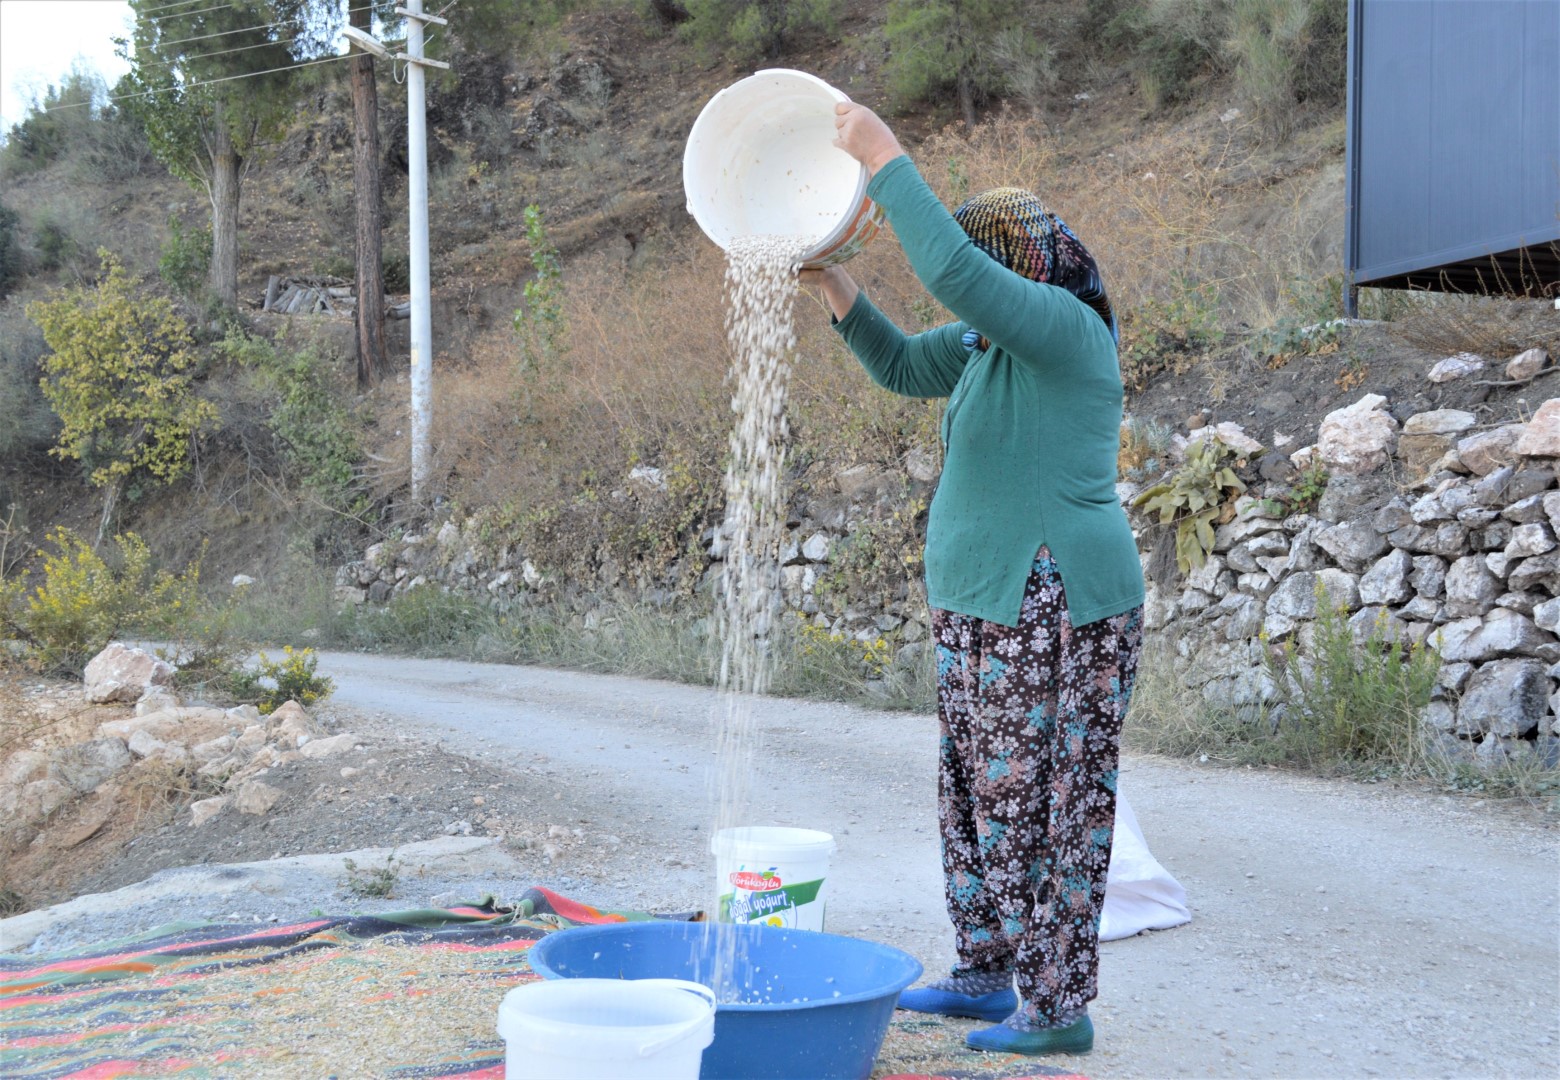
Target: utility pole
417	188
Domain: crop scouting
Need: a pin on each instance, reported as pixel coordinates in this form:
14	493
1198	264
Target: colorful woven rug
408	994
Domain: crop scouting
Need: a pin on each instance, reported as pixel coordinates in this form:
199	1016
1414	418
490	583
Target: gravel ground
1338	929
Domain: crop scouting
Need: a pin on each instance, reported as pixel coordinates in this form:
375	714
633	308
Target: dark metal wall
1454	144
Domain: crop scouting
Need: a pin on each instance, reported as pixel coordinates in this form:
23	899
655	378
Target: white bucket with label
771	875
761	160
606	1029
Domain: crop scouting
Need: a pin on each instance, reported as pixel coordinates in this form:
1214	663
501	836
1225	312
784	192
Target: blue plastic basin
824	1001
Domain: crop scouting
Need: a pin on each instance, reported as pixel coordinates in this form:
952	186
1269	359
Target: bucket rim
910	968
860	204
516	1025
772	837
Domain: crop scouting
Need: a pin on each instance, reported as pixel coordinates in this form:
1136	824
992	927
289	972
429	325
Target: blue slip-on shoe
1076	1038
997	1005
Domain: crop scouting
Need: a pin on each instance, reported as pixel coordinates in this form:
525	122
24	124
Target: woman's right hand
863	135
838	287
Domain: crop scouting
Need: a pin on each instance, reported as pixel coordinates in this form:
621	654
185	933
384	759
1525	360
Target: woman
1033	680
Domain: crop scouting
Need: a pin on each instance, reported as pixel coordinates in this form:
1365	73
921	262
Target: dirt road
1338	929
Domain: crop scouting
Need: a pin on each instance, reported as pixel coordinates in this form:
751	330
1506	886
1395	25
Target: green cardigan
1031	429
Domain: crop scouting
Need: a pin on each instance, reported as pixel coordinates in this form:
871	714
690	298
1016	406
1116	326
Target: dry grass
1494	328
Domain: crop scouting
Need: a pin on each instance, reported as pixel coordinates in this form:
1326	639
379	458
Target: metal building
1453	152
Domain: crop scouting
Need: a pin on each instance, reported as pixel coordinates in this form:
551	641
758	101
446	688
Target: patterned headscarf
1014	227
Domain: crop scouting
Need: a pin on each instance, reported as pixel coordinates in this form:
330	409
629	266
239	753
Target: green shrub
751	29
319	435
1171	334
270	683
121	379
85	601
1352	700
10	249
540	322
185	259
371	882
1197	496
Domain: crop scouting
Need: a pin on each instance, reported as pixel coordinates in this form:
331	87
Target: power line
241	30
183	14
203	82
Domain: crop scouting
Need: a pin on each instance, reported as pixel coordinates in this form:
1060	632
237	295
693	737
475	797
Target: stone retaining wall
1464	558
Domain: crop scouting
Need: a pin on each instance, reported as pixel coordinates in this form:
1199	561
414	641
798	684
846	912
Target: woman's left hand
863	135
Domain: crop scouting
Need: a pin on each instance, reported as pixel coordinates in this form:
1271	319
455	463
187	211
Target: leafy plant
1197	496
293	677
83	601
121	378
540	322
185	258
1353	700
1169	334
318	434
753	28
1305	493
371	882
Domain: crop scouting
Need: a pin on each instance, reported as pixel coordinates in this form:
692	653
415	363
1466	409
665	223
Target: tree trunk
225	163
110	505
967	100
370	314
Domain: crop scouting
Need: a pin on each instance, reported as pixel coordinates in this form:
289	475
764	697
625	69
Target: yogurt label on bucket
760	882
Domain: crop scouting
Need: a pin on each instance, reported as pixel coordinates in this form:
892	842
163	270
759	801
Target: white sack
1139	893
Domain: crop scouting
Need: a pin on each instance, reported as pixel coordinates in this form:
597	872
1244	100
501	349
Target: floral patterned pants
1030	718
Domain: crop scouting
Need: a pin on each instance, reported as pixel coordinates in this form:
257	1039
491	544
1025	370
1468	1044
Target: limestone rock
1541	435
1552	510
1527	364
1386	582
1377	624
1498	751
1499	634
1439	422
1454	676
203	810
1487	451
1357	438
1429	575
320	748
87	765
1546	616
1526	511
1531	539
1540	571
1354	545
1439	716
40	798
816	548
1459	366
122	673
143	744
1505	698
156	699
256	797
1448	539
1295	599
1443	504
1470	587
183	726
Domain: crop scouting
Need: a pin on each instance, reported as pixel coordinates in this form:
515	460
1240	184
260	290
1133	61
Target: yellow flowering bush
83	601
291	678
873	656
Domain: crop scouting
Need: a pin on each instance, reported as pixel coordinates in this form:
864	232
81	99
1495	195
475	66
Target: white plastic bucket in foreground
772	875
761	161
606	1029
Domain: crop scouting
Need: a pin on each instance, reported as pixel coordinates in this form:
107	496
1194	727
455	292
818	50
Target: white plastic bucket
761	160
771	875
606	1029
